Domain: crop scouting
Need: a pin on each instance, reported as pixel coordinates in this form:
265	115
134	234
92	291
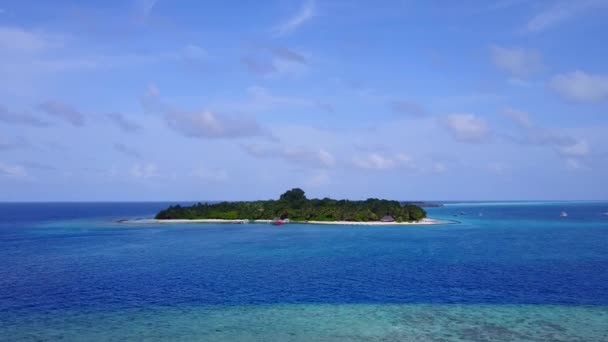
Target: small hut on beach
387	218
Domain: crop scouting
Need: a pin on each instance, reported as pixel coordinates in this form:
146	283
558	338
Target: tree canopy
294	205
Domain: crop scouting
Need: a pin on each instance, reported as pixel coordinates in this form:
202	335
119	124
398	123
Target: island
293	206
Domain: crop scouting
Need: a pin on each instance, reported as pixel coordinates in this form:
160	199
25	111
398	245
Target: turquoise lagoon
505	272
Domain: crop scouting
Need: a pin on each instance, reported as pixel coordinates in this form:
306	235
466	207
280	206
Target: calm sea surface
506	272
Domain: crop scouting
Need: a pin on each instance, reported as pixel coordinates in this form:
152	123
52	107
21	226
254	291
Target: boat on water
279	222
563	214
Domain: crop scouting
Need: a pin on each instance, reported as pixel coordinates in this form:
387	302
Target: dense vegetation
294	205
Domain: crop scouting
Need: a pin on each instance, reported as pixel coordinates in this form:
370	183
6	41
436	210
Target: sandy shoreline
425	221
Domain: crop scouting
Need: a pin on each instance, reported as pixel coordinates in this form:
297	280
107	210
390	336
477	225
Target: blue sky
197	100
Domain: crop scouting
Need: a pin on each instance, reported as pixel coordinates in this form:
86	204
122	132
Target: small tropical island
294	207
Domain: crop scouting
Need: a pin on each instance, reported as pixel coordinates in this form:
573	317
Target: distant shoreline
424	221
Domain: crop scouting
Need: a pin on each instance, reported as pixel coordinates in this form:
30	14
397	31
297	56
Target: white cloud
145	7
206	124
144	171
266	61
408	108
560	12
63	111
305	13
375	161
12	171
260	99
498	168
518	62
315	158
17	40
78	62
467	127
520	118
326	158
202	124
26	52
518	82
210	175
126	150
194	53
379	161
122	122
22	118
438	167
258	65
319	179
9	144
577	149
534	134
289	55
581	86
572	150
573	164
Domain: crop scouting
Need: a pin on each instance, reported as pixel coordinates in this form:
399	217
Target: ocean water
500	272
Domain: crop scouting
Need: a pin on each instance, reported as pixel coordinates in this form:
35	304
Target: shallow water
506	272
322	323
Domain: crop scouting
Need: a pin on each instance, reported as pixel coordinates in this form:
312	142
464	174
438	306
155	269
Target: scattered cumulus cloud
22	118
518	62
561	11
522	119
10	144
194	52
325	106
534	134
306	12
375	161
16	40
210	175
12	171
62	111
566	146
573	164
580	86
438	167
498	168
319	179
144	7
255	65
126	150
144	171
408	108
203	124
518	82
576	149
268	61
33	53
379	161
299	155
289	55
122	122
29	164
207	124
260	99
467	127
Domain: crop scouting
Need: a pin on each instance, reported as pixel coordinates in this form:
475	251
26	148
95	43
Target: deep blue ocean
504	271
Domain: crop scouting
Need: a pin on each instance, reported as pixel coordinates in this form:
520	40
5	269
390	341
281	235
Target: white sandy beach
425	221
